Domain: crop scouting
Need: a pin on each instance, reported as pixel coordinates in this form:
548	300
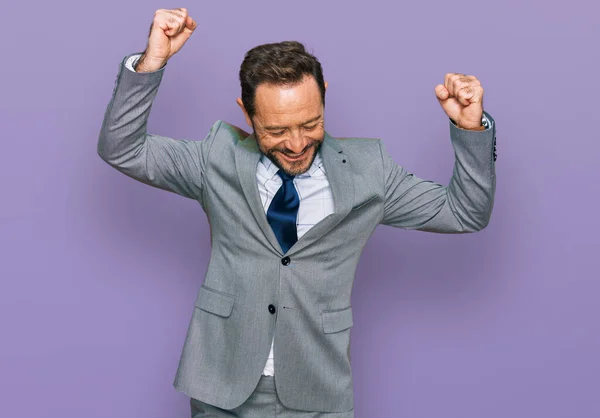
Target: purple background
99	273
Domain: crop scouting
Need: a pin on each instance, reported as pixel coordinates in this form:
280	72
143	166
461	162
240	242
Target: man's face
289	124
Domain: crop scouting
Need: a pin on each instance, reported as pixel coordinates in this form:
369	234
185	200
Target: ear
241	105
326	84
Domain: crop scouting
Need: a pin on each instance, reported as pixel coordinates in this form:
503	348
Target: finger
470	94
178	13
464	95
457	83
172	21
171	25
466	82
190	25
164	21
451	82
441	93
176	24
448	79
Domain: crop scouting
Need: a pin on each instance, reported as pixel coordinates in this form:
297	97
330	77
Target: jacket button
271	309
285	261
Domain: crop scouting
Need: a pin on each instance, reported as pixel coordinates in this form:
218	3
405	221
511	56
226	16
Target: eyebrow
279	128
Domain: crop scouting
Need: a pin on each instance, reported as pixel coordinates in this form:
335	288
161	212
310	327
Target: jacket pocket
215	302
336	321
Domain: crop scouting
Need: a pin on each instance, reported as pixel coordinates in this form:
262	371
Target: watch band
485	124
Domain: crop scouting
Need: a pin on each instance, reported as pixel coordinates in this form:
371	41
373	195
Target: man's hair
283	63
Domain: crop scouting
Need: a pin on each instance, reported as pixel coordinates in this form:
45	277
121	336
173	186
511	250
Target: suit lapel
247	156
337	168
339	175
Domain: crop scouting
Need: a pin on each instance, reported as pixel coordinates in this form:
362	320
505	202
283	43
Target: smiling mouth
293	157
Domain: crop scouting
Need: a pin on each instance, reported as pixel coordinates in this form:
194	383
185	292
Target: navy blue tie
283	211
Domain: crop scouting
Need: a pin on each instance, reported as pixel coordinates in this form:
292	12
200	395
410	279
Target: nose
296	142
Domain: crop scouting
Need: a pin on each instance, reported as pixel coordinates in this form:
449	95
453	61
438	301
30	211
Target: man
290	209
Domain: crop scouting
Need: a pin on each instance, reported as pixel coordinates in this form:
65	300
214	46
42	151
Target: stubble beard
297	167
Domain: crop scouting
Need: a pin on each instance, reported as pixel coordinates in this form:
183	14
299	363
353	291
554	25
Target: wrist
472	128
483	125
148	64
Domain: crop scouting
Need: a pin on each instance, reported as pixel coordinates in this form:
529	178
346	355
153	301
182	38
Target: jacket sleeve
174	165
465	205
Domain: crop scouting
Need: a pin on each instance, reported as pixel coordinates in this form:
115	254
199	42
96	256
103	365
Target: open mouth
293	157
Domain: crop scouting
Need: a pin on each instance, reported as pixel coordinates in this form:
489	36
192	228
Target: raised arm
466	204
166	163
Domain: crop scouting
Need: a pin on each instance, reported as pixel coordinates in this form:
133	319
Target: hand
461	97
169	31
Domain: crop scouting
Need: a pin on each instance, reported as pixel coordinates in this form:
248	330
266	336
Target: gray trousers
263	403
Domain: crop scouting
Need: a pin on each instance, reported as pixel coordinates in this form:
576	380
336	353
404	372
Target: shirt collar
316	167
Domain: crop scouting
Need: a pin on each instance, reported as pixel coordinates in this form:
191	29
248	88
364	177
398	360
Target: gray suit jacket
231	328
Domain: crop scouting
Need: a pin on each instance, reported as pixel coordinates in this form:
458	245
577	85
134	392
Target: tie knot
284	176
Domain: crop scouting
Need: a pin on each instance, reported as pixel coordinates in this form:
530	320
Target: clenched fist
461	97
170	29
